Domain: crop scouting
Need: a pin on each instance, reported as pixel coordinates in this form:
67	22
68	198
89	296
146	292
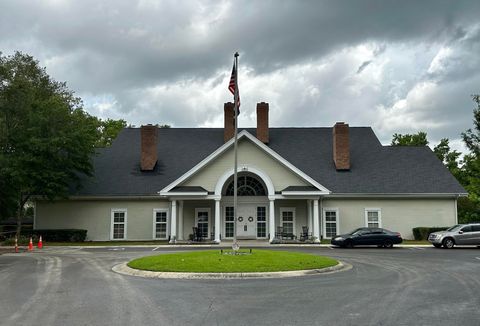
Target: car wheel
448	243
388	243
349	244
437	245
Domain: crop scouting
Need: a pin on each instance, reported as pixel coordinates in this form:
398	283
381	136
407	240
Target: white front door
246	221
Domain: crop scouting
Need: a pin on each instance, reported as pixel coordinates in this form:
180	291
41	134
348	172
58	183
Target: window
373	218
330	222
119	224
467	229
229	222
201	220
287	216
160	218
246	186
476	228
261	222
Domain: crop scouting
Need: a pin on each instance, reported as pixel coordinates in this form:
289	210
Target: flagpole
235	180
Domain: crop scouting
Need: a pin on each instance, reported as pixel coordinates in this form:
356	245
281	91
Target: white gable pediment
253	155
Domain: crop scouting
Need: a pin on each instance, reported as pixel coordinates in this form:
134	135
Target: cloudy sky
398	66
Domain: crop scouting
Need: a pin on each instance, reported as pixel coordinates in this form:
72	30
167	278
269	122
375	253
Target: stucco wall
250	154
95	216
399	215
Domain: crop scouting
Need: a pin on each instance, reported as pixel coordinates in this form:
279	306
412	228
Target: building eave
396	195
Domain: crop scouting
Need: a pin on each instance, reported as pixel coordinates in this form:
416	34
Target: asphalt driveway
401	286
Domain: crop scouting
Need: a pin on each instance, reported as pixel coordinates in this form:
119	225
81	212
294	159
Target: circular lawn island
228	261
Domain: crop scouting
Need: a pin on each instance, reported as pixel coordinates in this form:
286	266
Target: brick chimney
229	126
149	136
341	147
262	122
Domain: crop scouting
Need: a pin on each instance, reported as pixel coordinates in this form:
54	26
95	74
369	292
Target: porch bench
290	236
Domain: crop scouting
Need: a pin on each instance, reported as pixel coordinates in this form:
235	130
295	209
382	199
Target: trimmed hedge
422	232
59	235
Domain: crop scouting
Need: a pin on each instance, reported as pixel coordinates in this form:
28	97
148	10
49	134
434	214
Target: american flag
233	86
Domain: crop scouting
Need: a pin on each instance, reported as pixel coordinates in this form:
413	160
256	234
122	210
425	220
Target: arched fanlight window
246	186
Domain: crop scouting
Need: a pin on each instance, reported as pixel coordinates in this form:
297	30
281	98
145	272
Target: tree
109	130
471	162
46	138
418	139
450	158
472	138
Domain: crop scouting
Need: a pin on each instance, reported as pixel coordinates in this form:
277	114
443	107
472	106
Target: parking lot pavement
400	286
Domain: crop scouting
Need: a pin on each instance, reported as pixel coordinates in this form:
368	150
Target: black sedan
368	236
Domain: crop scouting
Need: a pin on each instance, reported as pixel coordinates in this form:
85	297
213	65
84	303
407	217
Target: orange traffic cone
16	244
30	245
40	243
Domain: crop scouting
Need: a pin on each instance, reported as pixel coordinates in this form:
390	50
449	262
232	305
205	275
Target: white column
309	216
320	213
271	219
173	222
180	220
217	221
316	221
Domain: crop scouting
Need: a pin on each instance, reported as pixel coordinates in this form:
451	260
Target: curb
125	270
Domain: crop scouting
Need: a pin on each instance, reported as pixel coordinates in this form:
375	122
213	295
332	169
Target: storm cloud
398	66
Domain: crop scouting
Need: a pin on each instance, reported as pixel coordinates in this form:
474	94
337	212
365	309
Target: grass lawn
212	261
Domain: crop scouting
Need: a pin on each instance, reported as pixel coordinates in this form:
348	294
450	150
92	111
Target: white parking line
416	248
477	258
331	248
156	248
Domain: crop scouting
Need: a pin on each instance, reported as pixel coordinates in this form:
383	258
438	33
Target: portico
261	209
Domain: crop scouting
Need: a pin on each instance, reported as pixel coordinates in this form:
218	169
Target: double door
251	221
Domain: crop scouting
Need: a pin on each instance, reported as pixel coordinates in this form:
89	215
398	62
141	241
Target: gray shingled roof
375	169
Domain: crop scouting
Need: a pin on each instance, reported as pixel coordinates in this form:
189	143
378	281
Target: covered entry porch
262	214
257	219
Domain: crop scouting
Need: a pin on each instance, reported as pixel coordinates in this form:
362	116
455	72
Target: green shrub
23	240
58	235
422	232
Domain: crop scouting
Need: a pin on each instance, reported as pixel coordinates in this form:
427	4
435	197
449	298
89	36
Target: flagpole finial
236	54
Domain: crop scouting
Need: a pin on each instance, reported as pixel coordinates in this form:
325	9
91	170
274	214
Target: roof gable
244	135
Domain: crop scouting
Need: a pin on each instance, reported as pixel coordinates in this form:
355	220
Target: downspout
456	209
